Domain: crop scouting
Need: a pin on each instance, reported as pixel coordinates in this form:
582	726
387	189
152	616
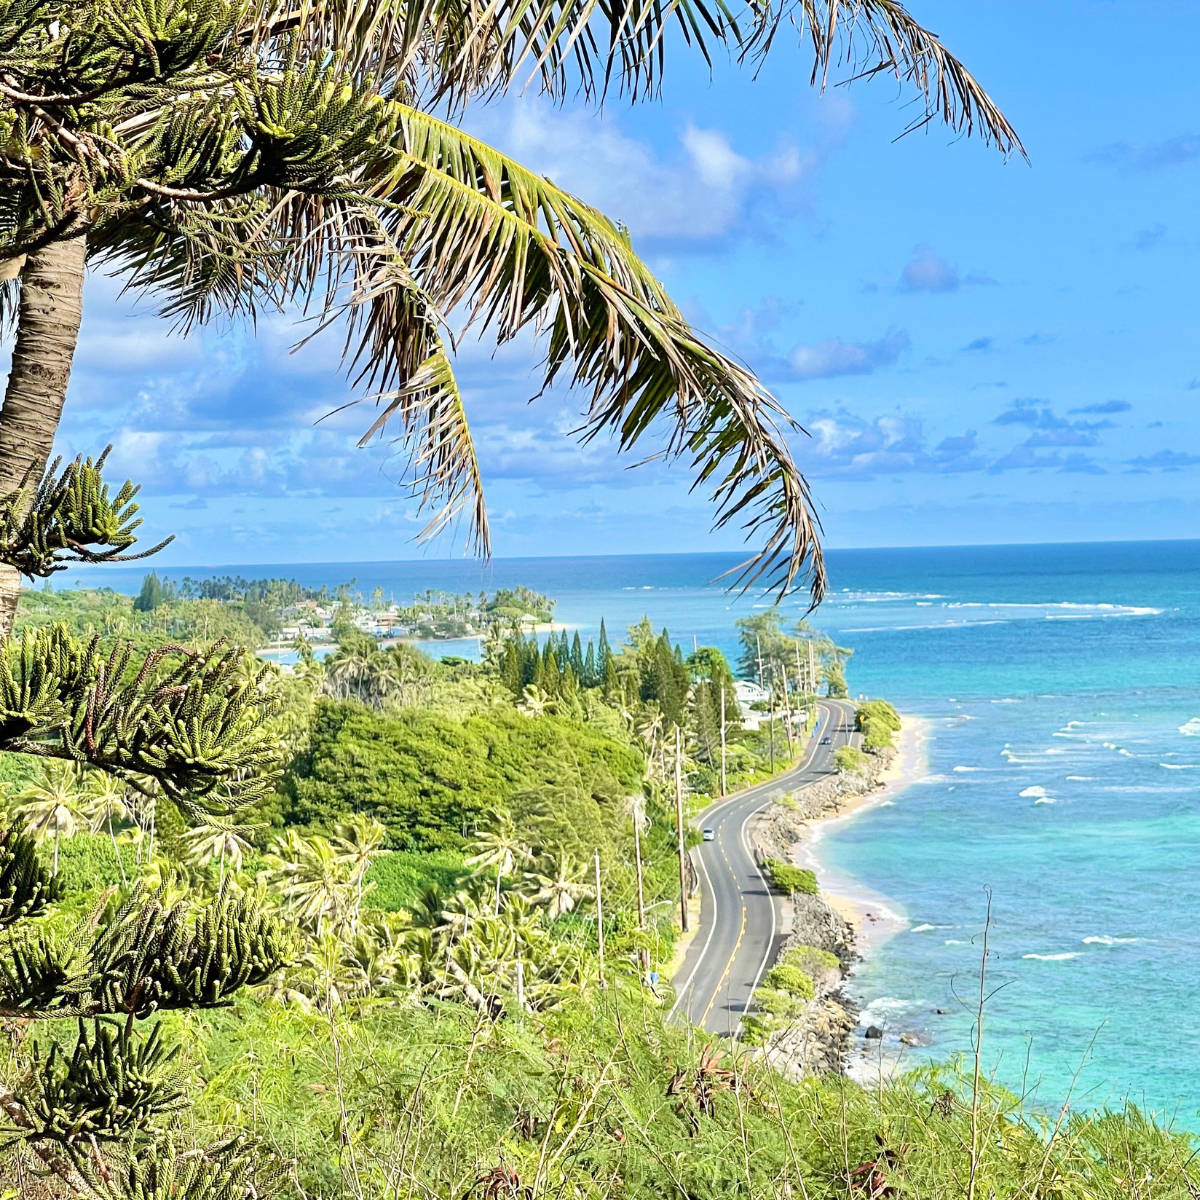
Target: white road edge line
707	813
829	711
712	928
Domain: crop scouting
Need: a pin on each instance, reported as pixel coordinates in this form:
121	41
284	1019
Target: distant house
749	693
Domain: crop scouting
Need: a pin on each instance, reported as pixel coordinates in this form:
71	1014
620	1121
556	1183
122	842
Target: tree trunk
48	319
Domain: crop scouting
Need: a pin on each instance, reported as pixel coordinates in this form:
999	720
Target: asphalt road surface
739	937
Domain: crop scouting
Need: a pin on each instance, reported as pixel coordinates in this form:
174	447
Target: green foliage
26	887
848	759
69	517
178	1170
89	863
812	960
399	878
879	722
109	1085
791	879
191	721
605	1088
146	956
786	977
432	779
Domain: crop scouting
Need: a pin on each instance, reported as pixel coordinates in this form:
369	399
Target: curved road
739	932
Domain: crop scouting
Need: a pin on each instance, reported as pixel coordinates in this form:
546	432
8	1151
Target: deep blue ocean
1062	689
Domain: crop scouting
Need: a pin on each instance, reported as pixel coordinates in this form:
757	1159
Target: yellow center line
803	766
728	968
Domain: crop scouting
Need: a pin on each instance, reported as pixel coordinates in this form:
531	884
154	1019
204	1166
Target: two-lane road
739	927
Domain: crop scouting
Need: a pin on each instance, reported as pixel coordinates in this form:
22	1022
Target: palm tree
314	882
561	887
499	848
203	843
534	701
232	154
356	843
53	804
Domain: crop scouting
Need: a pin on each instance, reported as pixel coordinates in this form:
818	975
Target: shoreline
844	917
874	918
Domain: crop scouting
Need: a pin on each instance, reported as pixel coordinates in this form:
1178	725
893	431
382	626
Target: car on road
826	741
709	835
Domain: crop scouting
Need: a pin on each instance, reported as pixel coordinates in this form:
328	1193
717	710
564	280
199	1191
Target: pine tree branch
53	1160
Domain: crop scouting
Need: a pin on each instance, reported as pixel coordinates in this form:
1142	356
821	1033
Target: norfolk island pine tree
228	155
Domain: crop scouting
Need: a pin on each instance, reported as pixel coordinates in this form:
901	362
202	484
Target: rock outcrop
818	1041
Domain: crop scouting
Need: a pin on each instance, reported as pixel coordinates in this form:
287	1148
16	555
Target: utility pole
643	954
758	652
787	713
599	921
812	668
683	874
771	719
723	788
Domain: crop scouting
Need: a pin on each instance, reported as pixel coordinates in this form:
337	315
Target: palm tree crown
235	154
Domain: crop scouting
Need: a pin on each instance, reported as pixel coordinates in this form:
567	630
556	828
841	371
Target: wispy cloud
834	357
1150	156
928	271
1104	407
1164	460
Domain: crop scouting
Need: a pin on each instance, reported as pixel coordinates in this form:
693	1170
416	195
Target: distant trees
714	695
769	655
154	592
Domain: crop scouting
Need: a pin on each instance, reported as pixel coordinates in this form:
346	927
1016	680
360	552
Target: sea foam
1053	957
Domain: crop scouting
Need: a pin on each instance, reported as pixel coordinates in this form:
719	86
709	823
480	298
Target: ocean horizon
1058	682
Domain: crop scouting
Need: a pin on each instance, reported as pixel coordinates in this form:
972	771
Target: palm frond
400	346
873	37
483	235
458	50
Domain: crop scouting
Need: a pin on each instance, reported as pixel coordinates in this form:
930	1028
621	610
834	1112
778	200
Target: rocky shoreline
819	1041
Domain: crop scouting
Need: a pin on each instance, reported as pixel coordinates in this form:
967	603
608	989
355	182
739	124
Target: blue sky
981	350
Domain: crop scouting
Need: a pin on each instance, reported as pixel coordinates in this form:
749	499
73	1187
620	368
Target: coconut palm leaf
457	50
479	232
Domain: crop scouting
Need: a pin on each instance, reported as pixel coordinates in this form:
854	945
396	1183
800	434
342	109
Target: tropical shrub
878	721
785	977
849	759
791	879
432	780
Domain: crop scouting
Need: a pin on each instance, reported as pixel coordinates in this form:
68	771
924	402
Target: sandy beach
874	917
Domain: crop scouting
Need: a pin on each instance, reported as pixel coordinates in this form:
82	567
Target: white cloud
694	190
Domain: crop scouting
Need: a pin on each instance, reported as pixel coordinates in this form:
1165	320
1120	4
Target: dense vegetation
878	722
442	1025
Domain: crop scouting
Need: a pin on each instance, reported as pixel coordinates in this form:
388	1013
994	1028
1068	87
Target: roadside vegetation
226	974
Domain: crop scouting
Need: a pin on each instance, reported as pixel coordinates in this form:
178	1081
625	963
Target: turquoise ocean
1061	686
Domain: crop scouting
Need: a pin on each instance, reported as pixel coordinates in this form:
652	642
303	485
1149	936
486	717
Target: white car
709	835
